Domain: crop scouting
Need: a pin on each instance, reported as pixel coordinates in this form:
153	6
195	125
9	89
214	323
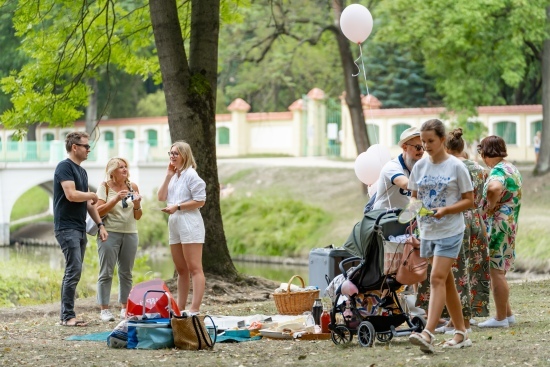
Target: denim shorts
445	247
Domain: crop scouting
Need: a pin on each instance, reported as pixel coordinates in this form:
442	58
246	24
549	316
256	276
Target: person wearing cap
392	189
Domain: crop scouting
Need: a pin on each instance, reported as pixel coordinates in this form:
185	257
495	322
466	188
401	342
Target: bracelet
100	224
137	209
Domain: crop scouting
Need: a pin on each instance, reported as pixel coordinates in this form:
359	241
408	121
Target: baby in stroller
367	303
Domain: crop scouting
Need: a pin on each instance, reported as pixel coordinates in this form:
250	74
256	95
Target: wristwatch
179	207
100	224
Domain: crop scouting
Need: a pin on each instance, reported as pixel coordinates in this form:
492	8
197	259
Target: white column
57	151
125	149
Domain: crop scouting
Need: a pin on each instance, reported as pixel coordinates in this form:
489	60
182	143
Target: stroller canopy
363	234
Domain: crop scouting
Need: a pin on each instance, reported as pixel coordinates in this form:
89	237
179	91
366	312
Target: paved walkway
290	162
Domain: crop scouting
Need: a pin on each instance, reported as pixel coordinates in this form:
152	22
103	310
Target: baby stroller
367	303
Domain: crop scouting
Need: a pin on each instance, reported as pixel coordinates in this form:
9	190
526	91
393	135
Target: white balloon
356	23
373	188
368	165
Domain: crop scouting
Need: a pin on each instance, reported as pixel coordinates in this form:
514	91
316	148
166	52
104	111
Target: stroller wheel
384	337
341	335
366	334
419	323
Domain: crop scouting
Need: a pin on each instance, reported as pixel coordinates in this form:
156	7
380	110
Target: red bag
158	299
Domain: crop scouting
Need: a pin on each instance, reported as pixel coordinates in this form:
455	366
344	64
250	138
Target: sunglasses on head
418	147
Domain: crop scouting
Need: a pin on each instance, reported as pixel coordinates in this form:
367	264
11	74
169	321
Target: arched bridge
18	177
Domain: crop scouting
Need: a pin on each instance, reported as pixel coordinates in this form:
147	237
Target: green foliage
153	104
33	201
472	129
471	48
153	225
398	80
10	57
271	226
22	283
290	68
68	44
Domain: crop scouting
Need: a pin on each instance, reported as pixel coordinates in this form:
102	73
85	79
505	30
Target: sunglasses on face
418	147
87	146
173	154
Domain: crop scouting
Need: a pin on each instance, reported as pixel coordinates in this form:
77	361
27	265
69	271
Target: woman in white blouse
184	193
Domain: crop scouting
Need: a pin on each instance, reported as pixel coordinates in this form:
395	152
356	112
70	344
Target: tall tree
476	50
52	87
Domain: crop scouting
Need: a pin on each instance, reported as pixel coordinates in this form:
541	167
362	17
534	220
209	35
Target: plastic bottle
325	320
317	310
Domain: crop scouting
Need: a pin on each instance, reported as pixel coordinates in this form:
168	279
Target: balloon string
370	109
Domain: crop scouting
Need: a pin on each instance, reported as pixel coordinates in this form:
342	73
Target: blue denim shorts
445	247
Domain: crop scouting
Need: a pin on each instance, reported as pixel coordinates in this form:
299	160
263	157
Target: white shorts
186	227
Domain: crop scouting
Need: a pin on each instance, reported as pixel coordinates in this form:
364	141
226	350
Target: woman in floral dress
501	204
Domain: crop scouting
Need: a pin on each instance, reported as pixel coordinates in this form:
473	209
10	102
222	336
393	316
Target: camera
128	196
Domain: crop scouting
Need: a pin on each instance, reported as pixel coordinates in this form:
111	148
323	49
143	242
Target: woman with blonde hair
120	205
185	193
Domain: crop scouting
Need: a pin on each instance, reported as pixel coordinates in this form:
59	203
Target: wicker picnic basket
295	303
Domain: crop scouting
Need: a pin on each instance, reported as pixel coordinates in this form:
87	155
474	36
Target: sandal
453	344
425	345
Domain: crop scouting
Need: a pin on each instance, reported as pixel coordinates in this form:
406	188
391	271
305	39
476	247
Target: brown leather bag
190	333
413	268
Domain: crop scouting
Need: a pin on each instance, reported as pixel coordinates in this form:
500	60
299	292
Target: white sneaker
444	329
473	322
494	323
107	316
123	314
511	319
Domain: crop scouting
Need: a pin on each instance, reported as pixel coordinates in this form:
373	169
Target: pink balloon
368	165
356	23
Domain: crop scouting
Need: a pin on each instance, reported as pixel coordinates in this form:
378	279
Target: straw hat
411	132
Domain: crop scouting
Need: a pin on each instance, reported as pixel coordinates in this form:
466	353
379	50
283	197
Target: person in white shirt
185	193
442	182
392	191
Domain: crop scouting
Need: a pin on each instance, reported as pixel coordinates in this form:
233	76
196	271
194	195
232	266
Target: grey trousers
73	244
119	249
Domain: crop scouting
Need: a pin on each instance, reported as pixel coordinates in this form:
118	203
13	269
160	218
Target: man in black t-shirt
71	200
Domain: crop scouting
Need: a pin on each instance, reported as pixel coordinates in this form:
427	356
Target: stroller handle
344	262
395	211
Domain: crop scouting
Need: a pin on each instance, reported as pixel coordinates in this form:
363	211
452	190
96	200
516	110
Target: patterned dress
502	224
471	268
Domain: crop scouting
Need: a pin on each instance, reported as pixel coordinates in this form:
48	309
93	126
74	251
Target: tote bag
190	333
412	268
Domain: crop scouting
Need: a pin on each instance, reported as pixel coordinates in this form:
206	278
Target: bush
153	225
271	226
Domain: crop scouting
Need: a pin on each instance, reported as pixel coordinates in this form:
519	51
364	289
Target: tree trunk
91	109
31	132
190	89
543	165
353	93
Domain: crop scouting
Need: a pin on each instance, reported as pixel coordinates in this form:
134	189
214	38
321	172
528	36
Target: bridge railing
54	151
